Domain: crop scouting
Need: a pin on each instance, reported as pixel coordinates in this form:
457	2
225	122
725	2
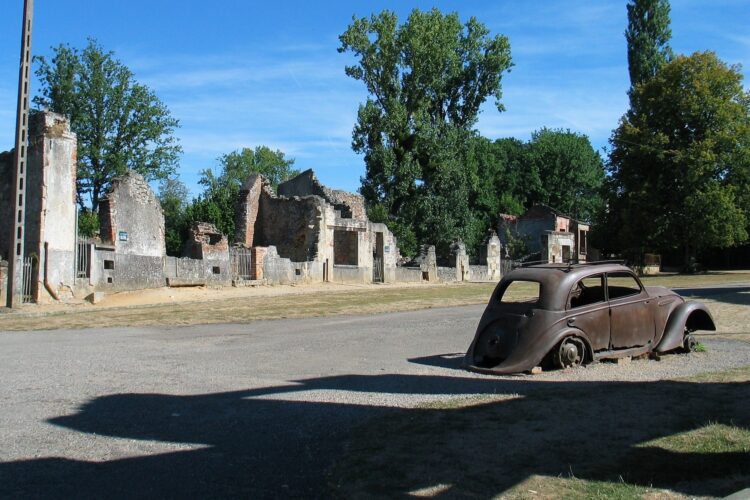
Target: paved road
257	410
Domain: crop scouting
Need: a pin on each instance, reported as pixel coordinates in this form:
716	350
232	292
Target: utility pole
16	254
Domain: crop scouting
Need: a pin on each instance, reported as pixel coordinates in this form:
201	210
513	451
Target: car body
571	314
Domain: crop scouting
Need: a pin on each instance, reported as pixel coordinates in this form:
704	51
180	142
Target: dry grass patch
667	439
205	306
301	304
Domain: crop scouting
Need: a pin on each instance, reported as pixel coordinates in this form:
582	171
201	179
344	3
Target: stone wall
351	205
112	271
292	225
131	256
247	210
131	217
50	226
182	271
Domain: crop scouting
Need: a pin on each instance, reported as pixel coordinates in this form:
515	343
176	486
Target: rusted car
567	315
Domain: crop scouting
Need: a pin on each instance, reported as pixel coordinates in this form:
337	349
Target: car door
631	324
588	310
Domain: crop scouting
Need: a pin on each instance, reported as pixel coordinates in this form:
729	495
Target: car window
520	291
621	285
589	290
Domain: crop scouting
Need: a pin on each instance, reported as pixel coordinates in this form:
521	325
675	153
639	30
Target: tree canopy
680	161
120	123
173	196
565	173
426	80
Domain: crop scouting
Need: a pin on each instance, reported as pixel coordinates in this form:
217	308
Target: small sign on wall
122	236
387	249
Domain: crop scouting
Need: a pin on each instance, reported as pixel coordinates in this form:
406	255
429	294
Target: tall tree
569	170
217	202
173	196
680	161
120	123
648	36
426	80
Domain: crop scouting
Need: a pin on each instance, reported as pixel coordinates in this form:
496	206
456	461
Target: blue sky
245	73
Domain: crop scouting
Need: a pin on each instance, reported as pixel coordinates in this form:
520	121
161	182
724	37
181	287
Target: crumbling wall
278	270
554	246
351	205
132	224
182	271
50	210
292	225
247	210
490	256
209	249
463	272
131	217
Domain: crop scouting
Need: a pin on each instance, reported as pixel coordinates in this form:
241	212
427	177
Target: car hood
660	291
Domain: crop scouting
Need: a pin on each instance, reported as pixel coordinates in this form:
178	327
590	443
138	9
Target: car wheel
689	343
570	353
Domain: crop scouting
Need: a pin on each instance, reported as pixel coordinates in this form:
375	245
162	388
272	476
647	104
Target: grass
669	439
366	300
332	302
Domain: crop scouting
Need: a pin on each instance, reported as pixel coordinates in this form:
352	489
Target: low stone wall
446	273
187	271
115	272
279	270
479	273
351	274
408	274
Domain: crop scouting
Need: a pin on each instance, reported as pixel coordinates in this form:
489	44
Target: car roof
557	279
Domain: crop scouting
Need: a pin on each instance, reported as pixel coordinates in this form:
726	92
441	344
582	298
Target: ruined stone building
308	232
555	237
50	226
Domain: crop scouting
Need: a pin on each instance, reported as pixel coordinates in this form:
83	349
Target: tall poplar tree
426	80
648	37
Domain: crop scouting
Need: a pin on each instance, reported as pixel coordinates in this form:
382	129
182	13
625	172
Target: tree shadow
262	443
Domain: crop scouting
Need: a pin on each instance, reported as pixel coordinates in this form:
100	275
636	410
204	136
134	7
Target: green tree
648	36
218	201
120	123
680	161
570	173
173	196
426	80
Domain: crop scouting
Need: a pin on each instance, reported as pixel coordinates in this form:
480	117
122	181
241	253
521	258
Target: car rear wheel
570	353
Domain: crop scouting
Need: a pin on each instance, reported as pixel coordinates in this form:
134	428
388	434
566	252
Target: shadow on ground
738	295
259	445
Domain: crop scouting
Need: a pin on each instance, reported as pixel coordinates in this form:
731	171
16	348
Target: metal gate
30	266
83	258
377	269
242	268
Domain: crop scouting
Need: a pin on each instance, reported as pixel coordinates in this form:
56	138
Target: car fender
694	315
525	357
